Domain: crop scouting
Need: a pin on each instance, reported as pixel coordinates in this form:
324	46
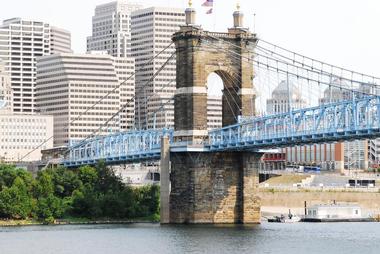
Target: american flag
208	3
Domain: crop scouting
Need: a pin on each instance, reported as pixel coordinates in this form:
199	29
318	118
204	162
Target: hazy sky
341	32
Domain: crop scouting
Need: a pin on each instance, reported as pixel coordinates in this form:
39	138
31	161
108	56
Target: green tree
107	180
44	185
8	173
88	175
65	181
48	206
147	198
16	202
87	203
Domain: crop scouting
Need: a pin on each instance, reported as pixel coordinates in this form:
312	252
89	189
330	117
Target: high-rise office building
68	85
214	112
125	68
111	28
152	29
60	40
6	94
21	42
21	134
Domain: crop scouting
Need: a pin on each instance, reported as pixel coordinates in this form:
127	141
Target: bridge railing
354	119
118	147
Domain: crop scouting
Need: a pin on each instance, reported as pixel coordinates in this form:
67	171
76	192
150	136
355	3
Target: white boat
334	213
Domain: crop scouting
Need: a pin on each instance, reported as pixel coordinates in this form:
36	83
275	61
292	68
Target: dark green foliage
86	192
16	201
9	173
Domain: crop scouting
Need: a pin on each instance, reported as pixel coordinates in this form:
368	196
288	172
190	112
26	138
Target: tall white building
152	29
69	84
6	94
60	40
125	68
214	112
111	30
21	134
21	42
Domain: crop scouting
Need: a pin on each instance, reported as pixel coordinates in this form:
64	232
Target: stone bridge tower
212	187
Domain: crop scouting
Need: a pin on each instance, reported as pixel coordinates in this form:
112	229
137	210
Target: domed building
338	91
284	97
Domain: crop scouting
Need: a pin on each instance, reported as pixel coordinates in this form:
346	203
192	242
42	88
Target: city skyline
317	31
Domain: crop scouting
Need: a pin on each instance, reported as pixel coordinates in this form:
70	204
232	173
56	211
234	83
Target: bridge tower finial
190	14
238	16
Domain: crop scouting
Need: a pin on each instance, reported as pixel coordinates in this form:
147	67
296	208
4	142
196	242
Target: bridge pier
214	188
164	180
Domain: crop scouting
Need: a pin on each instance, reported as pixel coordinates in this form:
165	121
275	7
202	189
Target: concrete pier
165	180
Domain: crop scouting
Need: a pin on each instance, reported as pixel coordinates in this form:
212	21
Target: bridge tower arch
200	53
212	187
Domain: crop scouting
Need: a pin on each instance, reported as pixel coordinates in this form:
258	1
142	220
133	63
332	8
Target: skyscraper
214	112
21	134
152	29
125	68
21	42
6	94
111	28
68	85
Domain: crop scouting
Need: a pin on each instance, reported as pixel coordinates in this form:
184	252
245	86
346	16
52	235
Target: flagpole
213	13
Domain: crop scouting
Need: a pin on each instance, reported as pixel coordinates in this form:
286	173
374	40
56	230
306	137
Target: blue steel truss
341	121
118	148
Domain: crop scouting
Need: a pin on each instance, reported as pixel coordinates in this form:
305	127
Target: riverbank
276	202
74	221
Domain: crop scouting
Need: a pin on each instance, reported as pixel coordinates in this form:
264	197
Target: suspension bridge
213	174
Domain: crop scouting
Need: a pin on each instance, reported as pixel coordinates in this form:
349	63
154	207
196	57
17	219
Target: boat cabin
334	211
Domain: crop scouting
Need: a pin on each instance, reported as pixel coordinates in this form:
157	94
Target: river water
152	238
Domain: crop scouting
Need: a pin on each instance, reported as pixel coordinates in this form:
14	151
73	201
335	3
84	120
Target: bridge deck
342	121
